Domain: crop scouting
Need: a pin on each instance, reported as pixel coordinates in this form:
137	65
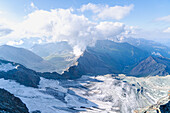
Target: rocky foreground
11	104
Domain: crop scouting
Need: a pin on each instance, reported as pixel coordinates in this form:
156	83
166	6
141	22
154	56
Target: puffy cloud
165	18
117	12
63	25
33	6
14	43
110	29
106	12
94	8
167	30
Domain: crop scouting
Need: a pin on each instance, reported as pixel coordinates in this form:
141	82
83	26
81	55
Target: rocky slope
152	66
11	104
26	58
165	108
17	72
106	57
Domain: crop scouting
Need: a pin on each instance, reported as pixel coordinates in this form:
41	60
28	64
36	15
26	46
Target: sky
82	22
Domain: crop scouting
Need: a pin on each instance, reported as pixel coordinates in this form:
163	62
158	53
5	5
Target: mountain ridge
106	57
25	57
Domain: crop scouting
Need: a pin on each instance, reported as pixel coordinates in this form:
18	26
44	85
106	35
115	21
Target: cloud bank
106	12
64	25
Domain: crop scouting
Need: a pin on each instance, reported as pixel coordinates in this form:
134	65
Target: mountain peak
151	66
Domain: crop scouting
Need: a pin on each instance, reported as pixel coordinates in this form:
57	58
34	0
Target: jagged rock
106	57
49	75
19	73
165	108
152	66
11	104
37	111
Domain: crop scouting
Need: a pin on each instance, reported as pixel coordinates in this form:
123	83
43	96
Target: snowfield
101	94
49	98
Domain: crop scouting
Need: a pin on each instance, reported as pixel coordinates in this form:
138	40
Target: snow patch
7	67
156	53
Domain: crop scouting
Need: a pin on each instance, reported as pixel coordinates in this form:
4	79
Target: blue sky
149	19
144	13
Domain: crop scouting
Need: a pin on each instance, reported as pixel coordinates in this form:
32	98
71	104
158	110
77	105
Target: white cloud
63	25
110	29
15	43
33	6
167	30
92	7
165	18
117	12
106	12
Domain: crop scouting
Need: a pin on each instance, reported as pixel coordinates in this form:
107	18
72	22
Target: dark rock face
21	75
105	58
37	111
152	66
165	108
108	57
49	75
11	104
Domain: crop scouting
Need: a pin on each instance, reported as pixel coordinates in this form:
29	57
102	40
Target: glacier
91	94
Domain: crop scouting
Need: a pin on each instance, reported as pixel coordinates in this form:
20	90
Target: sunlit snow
7	67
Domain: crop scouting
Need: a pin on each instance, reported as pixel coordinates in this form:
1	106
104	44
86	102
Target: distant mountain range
154	48
111	57
46	50
106	57
59	54
107	89
26	58
152	66
136	57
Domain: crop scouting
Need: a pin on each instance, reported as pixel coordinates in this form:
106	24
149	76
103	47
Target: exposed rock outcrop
165	108
11	104
152	66
106	57
19	73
